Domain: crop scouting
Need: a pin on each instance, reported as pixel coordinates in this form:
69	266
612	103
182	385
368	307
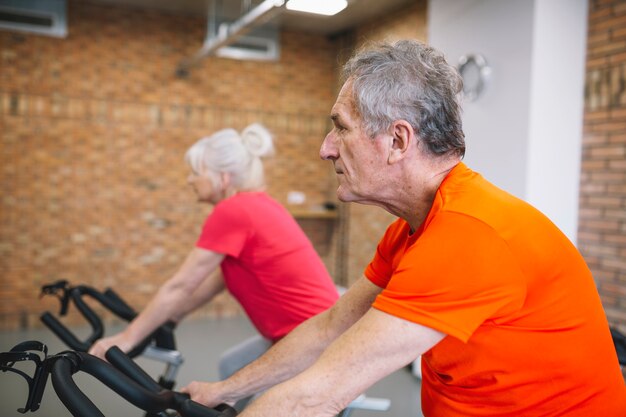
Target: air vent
43	17
260	44
254	48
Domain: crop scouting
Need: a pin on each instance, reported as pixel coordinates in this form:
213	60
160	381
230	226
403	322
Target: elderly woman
266	261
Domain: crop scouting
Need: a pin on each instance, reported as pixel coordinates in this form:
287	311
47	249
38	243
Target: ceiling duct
242	39
43	17
260	44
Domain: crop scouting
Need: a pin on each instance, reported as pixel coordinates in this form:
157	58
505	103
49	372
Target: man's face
359	160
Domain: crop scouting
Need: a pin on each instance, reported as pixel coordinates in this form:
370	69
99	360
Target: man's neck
416	198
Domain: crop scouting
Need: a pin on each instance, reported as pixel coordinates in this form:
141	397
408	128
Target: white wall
524	132
556	112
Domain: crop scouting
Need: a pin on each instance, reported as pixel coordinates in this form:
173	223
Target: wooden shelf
313	213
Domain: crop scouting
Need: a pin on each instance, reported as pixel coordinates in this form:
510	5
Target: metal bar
164	355
227	34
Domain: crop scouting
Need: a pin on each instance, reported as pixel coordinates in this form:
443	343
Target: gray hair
239	155
409	81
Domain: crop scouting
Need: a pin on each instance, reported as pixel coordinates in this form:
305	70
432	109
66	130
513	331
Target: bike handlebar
117	303
77	403
163	336
66	335
128	367
132	383
154	399
124	364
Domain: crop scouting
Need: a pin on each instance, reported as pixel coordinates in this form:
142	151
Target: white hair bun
257	140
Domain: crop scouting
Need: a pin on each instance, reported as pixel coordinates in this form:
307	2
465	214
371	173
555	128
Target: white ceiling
357	12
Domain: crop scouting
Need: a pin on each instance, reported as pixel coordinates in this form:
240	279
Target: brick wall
93	130
602	226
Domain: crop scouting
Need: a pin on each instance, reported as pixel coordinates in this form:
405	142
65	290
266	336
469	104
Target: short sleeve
456	276
380	268
226	230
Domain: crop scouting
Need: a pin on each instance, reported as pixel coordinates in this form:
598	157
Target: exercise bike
120	374
159	346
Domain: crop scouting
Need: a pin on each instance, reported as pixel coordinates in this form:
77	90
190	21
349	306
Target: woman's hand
101	346
193	285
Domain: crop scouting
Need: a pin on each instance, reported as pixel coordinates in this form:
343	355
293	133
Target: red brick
614	47
600	14
95	127
608	152
597	63
619	8
598	115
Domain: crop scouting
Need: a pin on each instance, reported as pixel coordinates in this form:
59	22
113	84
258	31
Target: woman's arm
293	354
209	288
192	285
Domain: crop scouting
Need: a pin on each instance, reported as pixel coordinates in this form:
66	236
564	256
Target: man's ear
403	137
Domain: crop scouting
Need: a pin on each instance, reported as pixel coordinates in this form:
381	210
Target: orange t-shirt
527	335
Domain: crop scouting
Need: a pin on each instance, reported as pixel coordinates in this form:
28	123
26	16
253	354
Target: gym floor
200	343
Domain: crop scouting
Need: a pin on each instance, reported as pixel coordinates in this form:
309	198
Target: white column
524	133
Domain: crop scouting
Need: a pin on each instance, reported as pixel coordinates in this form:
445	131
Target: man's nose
329	148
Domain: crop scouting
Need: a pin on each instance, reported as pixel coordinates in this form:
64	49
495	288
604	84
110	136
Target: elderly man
497	300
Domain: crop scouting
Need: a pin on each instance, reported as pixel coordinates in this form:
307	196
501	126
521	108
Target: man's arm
375	346
193	284
294	353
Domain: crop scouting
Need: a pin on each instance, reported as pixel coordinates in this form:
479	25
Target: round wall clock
475	73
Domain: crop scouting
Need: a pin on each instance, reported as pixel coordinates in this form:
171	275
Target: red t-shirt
527	335
270	266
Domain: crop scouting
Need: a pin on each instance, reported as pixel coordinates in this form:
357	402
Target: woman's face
205	189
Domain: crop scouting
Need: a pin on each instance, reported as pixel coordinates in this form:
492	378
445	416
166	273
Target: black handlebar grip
191	408
128	388
70	395
164	336
127	366
63	333
108	299
226	410
97	329
117	305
